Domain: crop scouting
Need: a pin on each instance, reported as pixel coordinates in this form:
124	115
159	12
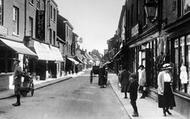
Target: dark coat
102	76
17	75
133	89
124	80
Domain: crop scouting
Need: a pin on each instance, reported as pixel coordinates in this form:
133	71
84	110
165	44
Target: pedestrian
142	81
165	93
133	91
119	78
184	77
17	81
124	80
102	77
106	77
91	77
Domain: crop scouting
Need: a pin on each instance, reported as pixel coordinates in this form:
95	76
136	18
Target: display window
182	64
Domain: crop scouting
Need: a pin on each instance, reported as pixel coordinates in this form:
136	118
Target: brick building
12	17
41	37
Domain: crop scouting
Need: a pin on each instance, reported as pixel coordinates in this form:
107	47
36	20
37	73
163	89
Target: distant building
67	40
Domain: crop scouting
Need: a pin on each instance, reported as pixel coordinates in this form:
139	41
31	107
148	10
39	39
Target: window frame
31	26
50	36
16	20
51	12
2	10
54	14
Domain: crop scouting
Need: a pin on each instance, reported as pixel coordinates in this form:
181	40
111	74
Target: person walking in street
142	81
102	77
119	78
17	81
106	76
124	80
91	77
165	93
133	91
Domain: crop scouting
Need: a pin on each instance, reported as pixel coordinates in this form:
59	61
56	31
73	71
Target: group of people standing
132	83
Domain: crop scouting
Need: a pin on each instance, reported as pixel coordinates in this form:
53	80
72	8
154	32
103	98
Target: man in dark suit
124	80
17	80
133	89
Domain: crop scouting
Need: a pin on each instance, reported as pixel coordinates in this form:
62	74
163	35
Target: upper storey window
15	20
1	12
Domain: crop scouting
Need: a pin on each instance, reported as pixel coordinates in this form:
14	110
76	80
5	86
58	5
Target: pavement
147	107
5	94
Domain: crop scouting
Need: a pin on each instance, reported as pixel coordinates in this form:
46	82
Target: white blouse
167	77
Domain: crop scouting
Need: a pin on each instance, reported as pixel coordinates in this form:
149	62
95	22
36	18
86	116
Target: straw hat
167	66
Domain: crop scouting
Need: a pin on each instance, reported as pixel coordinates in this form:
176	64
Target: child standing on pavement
133	90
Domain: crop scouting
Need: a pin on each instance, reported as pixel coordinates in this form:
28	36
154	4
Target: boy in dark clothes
133	89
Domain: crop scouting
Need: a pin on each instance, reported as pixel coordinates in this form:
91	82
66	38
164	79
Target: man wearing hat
133	91
17	80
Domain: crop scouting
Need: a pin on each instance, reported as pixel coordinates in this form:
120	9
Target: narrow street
72	99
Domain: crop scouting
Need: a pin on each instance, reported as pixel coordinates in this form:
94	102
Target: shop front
48	62
145	53
78	66
178	52
71	65
11	49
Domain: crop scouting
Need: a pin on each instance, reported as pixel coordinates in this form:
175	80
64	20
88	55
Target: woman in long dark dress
102	77
165	94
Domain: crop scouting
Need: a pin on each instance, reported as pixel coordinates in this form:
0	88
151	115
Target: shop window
182	58
176	46
6	59
188	62
182	49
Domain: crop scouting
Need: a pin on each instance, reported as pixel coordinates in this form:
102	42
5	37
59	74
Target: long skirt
167	99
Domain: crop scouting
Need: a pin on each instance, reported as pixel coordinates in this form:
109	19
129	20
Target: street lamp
151	9
80	40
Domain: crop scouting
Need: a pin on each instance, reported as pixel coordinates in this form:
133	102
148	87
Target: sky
96	21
